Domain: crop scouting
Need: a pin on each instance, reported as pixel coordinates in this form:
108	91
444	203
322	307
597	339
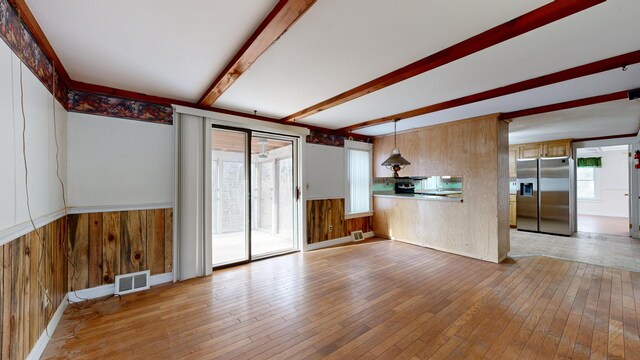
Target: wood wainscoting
32	264
321	214
103	245
476	149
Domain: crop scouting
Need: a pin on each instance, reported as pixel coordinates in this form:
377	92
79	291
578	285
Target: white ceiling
598	84
602	149
338	45
166	48
160	48
570	42
612	118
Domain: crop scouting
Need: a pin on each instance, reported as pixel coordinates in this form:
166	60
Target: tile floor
620	252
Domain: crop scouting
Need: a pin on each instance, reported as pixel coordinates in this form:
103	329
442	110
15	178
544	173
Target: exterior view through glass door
272	188
265	225
229	196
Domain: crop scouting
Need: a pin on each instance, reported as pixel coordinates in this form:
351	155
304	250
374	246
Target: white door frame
634	193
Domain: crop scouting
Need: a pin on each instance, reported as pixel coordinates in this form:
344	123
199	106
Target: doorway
602	190
253	195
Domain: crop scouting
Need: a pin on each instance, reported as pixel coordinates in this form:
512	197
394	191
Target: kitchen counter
391	194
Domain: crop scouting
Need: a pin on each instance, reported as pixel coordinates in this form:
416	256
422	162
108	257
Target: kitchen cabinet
541	149
530	151
557	148
513	155
512	211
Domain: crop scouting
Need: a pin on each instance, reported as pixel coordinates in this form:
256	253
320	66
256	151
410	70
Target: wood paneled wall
103	245
31	265
476	149
322	213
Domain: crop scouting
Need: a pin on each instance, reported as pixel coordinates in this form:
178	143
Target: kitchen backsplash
443	182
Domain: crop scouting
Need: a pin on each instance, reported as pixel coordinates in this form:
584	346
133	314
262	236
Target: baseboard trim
328	243
110	289
43	340
26	227
126	207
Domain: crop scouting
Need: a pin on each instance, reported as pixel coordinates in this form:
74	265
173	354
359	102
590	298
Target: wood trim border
532	20
34	28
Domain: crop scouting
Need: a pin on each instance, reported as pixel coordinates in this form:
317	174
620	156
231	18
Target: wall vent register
132	282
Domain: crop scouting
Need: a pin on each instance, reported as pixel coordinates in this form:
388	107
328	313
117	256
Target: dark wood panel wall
321	214
31	265
103	245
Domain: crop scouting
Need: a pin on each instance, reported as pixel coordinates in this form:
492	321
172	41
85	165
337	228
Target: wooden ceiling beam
537	18
279	20
560	76
565	105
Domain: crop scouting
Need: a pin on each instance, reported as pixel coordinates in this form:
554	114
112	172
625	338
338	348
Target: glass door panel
273	197
229	196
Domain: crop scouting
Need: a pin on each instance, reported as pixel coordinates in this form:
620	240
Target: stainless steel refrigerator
544	201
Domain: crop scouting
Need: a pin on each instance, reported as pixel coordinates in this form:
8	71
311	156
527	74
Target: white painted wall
44	188
118	163
612	183
324	172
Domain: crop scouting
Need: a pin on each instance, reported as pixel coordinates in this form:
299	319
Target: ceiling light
395	162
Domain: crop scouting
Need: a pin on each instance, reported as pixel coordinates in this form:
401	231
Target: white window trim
596	191
357	145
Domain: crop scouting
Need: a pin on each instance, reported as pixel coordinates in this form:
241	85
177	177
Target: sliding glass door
253	195
229	196
273	197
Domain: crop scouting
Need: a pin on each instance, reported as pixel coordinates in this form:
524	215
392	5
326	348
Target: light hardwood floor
378	300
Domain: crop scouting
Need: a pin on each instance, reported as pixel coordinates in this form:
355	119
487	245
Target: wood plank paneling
329	213
34	263
168	240
133	241
110	246
155	241
6	299
79	250
25	263
123	242
95	250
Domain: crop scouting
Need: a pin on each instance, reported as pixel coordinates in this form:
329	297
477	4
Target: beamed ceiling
355	65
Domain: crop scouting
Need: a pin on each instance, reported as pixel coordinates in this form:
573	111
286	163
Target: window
586	177
358	159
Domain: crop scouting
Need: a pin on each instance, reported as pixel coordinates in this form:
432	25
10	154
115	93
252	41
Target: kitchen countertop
391	194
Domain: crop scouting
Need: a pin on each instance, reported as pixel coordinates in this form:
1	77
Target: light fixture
263	148
395	162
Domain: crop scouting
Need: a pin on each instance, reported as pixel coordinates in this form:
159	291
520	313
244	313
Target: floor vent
132	282
358	235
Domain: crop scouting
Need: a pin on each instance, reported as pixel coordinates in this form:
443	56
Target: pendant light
263	148
395	162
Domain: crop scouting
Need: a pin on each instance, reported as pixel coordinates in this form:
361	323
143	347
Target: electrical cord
29	212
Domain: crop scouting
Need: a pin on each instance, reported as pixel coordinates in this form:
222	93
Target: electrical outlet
330	228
